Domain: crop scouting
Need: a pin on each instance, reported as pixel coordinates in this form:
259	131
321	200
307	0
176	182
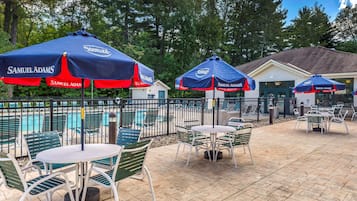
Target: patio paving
289	165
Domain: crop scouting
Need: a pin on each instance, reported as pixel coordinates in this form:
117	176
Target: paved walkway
289	165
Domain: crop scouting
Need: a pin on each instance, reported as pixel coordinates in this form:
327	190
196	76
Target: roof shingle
316	60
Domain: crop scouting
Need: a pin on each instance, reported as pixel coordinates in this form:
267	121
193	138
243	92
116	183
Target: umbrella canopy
354	93
67	60
214	73
71	62
317	83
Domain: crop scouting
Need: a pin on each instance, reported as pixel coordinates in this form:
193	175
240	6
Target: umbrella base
219	156
318	129
92	194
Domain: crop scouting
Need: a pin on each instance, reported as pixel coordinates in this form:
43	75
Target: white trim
290	68
340	75
163	84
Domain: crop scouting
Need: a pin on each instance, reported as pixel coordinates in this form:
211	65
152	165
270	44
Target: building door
161	97
277	89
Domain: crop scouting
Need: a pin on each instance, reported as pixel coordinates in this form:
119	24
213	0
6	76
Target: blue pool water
33	123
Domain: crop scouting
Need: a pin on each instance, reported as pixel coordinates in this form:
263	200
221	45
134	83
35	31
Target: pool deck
289	165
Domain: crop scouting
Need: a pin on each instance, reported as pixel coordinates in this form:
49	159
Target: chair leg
346	127
250	153
68	187
234	157
115	191
209	154
189	156
84	192
150	183
178	149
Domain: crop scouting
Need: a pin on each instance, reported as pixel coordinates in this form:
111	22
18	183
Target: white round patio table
212	132
74	154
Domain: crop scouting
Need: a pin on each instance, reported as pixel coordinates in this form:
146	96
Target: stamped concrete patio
289	165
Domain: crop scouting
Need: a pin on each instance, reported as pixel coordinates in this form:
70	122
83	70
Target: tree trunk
126	24
15	20
7	17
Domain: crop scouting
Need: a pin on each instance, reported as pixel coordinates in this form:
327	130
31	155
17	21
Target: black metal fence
154	117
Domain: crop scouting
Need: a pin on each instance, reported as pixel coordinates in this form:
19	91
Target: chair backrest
9	129
128	118
93	120
249	109
236	106
14	105
151	116
315	119
132	160
296	112
344	116
183	134
58	122
188	124
64	103
242	136
37	142
10	172
128	136
224	105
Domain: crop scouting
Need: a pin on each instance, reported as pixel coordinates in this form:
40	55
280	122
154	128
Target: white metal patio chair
354	114
130	162
299	118
339	120
193	140
239	138
13	177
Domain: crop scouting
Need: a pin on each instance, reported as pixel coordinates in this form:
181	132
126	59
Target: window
343	96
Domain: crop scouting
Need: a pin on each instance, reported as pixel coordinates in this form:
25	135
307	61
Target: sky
332	7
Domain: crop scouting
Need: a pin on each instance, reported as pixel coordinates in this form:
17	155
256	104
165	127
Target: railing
154	117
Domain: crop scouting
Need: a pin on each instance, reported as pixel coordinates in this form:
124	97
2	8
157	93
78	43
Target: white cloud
353	2
344	3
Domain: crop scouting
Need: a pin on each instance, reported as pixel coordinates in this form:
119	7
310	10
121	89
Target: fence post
217	111
51	114
203	102
258	108
121	105
302	109
168	116
271	114
112	127
240	106
285	106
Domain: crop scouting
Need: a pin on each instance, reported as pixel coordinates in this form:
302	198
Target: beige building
277	74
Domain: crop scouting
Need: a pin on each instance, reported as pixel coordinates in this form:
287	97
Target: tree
345	25
250	35
310	28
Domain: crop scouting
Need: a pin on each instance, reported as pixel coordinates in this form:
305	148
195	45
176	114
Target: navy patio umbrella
72	62
214	73
317	83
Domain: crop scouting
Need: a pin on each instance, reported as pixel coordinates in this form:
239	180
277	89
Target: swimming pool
34	123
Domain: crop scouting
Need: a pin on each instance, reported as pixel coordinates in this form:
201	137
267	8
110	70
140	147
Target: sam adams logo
97	51
202	72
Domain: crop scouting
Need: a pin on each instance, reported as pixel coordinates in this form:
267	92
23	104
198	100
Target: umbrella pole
213	104
82	115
